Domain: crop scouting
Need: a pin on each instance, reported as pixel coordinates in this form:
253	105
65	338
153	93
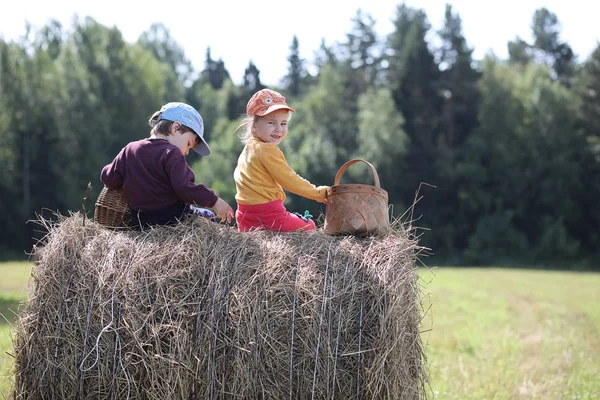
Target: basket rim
357	188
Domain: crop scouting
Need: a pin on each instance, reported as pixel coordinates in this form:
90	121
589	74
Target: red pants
270	216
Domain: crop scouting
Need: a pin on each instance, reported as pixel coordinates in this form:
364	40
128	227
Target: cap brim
274	107
202	148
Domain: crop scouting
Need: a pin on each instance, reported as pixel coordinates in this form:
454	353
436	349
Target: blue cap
188	116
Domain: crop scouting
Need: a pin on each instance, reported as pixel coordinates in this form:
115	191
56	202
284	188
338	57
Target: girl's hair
247	122
163	127
246	134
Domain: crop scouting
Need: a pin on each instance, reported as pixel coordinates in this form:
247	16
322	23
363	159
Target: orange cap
266	101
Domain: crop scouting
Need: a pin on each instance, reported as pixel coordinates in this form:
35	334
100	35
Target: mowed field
513	334
14	278
489	333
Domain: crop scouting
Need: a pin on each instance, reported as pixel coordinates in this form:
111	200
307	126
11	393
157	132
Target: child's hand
323	190
223	210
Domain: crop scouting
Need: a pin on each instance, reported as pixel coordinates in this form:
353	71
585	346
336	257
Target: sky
262	31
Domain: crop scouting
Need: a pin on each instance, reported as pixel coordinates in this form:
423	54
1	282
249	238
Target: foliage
494	159
297	74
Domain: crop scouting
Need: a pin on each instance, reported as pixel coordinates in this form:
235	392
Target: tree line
494	160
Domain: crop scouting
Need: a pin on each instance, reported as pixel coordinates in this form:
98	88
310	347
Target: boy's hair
247	123
163	126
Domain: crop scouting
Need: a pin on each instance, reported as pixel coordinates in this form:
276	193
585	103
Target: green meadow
512	334
14	278
489	333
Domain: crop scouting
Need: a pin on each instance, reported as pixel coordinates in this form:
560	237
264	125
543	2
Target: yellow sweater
262	173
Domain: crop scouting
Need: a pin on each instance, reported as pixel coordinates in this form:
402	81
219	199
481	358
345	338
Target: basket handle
338	176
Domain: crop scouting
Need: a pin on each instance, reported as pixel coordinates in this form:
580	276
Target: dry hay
200	311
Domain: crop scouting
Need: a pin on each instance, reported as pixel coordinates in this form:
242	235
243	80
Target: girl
156	179
262	172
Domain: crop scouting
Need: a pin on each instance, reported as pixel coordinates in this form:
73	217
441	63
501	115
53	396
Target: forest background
496	161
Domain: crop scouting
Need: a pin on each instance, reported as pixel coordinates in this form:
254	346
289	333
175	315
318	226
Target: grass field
509	334
14	277
490	333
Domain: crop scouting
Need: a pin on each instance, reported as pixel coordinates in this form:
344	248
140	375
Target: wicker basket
356	209
111	209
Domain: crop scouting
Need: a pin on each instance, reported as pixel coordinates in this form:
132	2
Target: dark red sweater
154	175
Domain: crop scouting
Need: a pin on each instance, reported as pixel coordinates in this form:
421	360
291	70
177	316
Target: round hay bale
201	311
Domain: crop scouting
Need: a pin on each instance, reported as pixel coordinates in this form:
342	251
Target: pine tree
458	81
296	77
252	82
363	52
546	47
214	72
556	54
458	120
414	79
